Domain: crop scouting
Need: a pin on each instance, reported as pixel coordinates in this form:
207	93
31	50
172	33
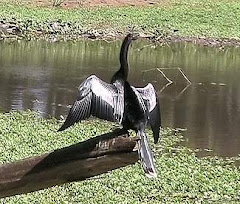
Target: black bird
132	107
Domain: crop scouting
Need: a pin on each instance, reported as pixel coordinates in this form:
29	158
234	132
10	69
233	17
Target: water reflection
43	76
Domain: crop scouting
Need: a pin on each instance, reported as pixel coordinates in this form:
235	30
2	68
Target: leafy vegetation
182	176
218	19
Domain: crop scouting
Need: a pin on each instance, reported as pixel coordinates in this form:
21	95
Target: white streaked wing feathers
95	97
148	94
104	90
109	95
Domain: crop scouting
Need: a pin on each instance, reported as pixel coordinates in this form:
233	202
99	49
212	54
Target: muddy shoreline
14	29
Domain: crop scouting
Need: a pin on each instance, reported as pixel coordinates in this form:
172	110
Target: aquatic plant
183	177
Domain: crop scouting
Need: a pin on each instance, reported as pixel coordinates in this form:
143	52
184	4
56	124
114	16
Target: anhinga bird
132	107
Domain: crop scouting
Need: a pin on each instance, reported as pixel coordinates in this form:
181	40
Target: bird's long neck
122	73
124	57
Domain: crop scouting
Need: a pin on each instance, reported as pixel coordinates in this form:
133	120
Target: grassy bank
182	176
190	18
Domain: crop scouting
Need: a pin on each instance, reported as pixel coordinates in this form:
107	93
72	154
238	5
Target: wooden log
76	162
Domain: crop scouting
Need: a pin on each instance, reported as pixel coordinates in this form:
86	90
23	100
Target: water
44	76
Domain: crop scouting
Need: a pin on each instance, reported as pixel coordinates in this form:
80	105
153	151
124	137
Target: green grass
217	19
183	178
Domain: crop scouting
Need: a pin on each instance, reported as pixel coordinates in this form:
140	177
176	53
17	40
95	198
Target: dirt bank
59	25
16	30
94	3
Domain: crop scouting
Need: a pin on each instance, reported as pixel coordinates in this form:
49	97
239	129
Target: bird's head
132	36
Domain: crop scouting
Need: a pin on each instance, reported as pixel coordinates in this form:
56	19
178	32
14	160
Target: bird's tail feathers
146	156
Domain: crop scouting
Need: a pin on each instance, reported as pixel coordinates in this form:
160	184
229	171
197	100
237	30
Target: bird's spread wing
97	98
149	95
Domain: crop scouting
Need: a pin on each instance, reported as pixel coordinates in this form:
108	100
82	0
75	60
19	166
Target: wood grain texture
76	162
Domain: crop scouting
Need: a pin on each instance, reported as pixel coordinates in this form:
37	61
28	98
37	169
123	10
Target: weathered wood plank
77	162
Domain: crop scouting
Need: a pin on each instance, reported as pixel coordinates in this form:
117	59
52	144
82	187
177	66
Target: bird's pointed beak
135	36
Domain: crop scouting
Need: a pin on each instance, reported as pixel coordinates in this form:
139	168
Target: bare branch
77	162
180	70
164	75
184	75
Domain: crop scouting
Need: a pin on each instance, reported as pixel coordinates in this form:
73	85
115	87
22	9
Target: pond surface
44	76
